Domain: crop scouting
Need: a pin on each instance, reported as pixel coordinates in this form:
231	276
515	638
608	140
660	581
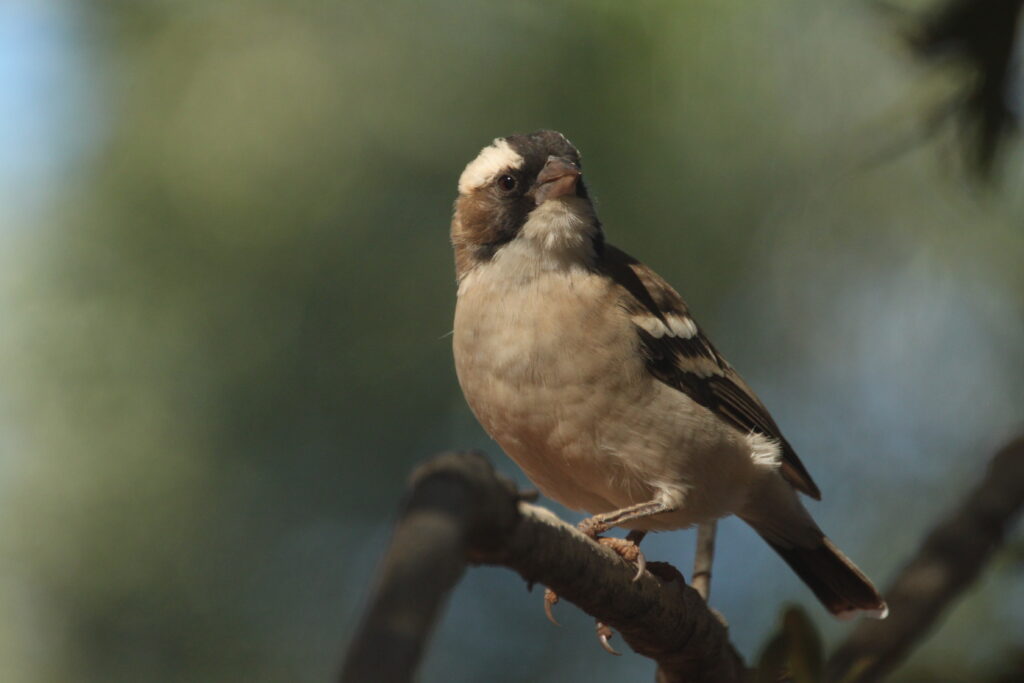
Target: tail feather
837	582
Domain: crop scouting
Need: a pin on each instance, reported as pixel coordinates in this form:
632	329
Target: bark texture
459	512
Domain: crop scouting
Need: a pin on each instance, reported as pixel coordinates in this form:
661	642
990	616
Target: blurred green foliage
225	340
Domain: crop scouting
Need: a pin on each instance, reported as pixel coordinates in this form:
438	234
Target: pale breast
551	369
541	372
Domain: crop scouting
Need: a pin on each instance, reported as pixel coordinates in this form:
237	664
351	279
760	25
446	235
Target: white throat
558	235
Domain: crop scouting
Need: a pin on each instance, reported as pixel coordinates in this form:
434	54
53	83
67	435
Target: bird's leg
592	526
628	548
702	561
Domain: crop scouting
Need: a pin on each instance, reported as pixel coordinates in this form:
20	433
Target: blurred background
225	286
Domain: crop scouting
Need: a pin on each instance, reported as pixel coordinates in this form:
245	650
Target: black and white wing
679	354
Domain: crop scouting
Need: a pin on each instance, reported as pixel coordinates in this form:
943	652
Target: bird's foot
604	632
629	550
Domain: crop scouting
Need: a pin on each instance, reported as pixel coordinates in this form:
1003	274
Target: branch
459	511
949	560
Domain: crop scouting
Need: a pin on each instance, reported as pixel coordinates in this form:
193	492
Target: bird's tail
775	512
840	586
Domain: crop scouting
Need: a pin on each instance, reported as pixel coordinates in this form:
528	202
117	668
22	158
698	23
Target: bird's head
526	191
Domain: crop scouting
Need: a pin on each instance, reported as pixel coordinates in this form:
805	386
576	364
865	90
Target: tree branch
949	560
459	511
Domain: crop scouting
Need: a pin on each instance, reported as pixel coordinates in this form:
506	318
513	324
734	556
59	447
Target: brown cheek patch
483	221
473	228
474	215
488	220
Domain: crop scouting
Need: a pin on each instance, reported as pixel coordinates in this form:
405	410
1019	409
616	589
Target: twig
459	511
701	579
949	560
447	497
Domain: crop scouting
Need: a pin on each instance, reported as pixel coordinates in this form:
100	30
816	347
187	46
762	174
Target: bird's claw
629	551
603	635
627	548
550	599
641	565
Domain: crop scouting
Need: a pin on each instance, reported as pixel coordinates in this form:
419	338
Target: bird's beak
557	179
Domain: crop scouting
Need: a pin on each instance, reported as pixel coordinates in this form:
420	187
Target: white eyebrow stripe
491	161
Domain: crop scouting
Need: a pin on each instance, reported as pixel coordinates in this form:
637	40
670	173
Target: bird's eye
507	182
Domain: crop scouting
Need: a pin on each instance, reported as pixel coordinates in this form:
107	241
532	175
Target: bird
589	371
